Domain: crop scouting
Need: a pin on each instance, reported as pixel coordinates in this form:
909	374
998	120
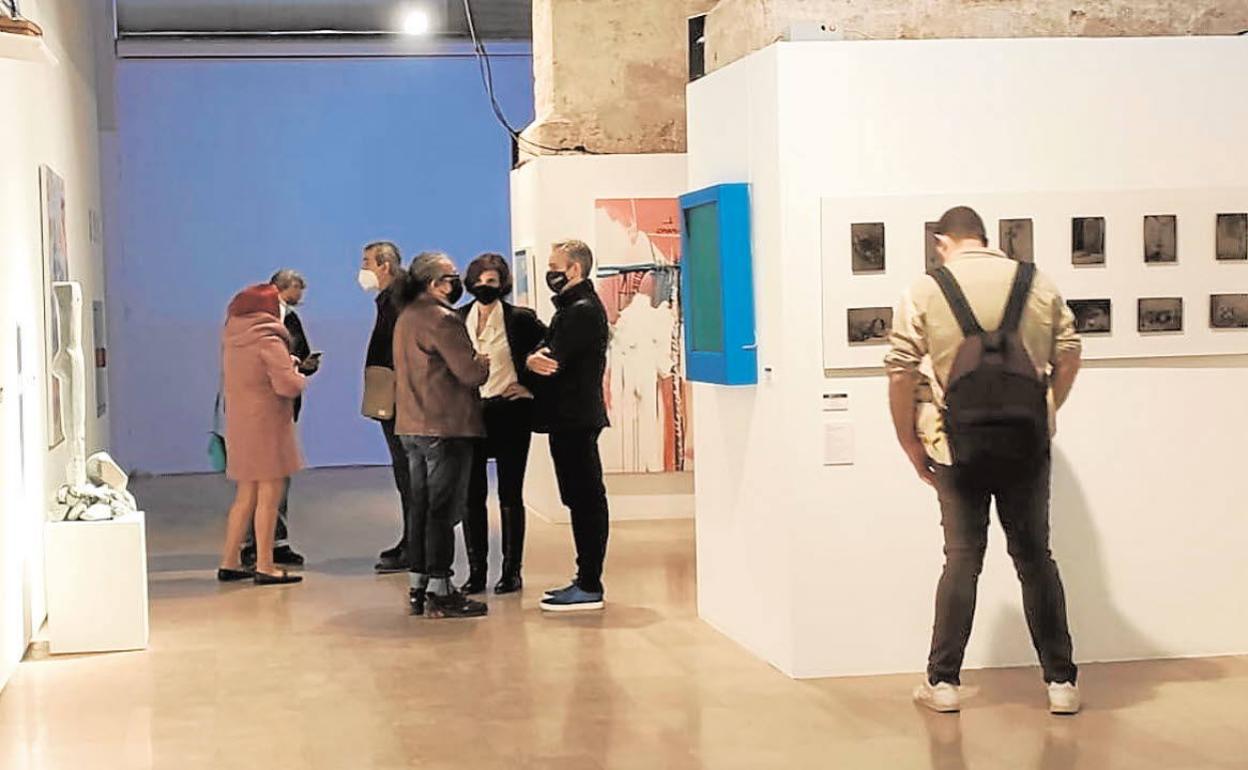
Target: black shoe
475	584
509	584
281	579
234	575
392	552
287	556
454	605
416	601
391	564
248	555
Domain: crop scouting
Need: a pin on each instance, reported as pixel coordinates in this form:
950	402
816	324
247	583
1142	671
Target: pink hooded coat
259	391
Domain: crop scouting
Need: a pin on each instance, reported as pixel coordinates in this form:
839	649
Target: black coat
525	334
299	347
381	344
572	398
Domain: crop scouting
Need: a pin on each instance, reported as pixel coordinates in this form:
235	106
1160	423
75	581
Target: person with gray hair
381	267
290	287
437	376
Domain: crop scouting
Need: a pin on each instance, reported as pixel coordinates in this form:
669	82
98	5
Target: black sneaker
287	556
454	605
248	555
416	601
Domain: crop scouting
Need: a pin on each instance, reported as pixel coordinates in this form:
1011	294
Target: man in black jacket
290	286
378	270
570	407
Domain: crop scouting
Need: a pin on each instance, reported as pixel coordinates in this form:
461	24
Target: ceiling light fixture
416	22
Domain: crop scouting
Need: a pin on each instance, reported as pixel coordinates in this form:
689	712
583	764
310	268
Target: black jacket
299	347
381	345
572	398
525	334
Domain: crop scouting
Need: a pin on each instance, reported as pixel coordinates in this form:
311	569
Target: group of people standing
461	385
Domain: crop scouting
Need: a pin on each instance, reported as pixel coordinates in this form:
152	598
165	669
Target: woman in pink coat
260	385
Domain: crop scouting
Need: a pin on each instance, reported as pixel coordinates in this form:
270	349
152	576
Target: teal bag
216	441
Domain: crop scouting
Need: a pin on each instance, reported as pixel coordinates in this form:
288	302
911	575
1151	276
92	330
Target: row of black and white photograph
1154	315
1087	241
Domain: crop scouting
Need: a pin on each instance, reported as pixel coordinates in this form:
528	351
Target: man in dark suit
290	286
570	407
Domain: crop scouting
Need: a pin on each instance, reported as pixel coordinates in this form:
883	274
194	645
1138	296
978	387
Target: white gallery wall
831	570
552	199
50	118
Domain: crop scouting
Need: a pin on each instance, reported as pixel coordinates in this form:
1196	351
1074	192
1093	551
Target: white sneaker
941	697
1063	698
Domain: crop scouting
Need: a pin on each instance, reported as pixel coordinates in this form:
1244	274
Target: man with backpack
1003	348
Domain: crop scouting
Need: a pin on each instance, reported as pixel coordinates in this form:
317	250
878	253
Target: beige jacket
926	336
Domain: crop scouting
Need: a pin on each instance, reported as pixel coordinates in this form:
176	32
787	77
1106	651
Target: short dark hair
486	262
578	252
961	223
385	252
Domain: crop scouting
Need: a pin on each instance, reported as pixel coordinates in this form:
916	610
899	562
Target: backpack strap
1023	279
958	302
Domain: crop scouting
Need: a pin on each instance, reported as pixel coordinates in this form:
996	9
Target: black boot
416	601
513	550
476	581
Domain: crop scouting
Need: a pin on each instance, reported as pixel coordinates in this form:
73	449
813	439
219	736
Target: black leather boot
513	550
476	581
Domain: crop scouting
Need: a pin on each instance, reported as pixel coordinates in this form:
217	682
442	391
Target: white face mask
368	280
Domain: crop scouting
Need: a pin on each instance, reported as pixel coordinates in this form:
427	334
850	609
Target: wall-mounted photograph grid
1172	263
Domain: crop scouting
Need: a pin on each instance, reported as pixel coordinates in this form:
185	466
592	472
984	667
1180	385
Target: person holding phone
290	286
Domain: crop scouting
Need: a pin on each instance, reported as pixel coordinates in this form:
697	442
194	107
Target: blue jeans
440	468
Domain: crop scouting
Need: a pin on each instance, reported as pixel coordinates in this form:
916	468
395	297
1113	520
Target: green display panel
705	282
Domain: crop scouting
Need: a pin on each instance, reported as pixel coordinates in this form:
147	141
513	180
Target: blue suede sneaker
557	591
574	599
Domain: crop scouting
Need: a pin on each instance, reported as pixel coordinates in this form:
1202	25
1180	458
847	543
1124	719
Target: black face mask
556	280
457	290
486	294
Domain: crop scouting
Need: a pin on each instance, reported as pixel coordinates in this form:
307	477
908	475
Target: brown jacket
436	373
259	389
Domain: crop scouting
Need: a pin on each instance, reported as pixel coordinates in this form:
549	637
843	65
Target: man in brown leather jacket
438	419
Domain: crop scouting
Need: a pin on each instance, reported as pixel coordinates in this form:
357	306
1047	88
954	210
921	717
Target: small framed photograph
870	325
1161	314
1092	316
1228	311
1087	240
931	257
1161	239
868	247
1232	237
1016	239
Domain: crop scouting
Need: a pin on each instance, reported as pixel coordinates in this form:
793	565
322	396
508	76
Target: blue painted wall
232	169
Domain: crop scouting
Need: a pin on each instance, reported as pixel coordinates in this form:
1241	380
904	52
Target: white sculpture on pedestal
95	489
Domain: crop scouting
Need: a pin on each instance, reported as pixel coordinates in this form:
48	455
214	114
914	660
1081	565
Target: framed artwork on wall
1232	237
522	288
867	243
1160	315
1161	239
1087	241
1017	239
1092	316
55	268
1228	311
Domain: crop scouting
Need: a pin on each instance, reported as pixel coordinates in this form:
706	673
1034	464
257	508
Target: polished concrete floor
332	674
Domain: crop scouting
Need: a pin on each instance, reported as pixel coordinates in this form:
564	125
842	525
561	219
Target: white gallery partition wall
818	549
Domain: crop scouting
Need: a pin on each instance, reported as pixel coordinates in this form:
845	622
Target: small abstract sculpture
95	488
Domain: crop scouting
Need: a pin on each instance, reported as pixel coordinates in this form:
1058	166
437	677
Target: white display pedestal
97	585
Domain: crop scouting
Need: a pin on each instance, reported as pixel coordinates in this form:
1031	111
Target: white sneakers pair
945	698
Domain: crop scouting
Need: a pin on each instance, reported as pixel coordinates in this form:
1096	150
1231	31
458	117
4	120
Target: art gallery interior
773	557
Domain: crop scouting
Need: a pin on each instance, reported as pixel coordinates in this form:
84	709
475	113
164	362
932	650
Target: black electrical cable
487	79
